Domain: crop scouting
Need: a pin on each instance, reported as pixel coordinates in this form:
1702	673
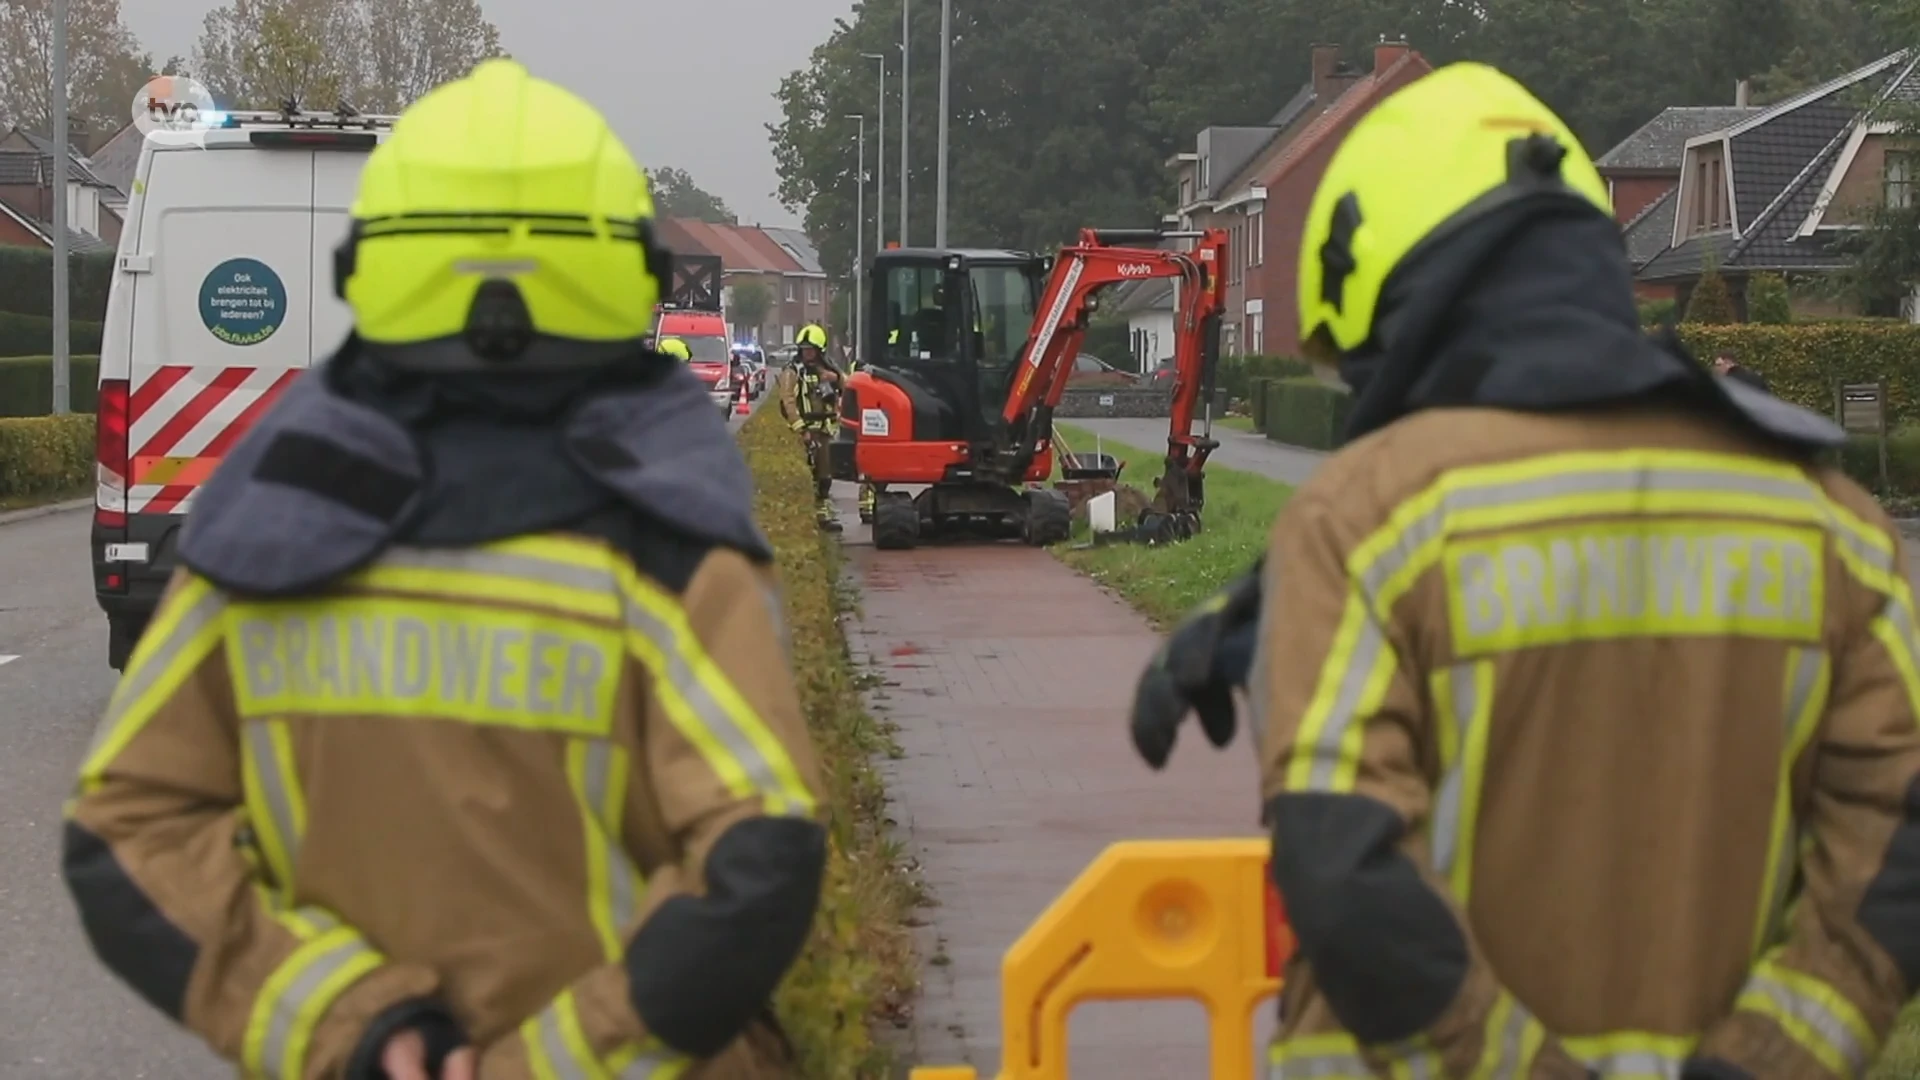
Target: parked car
1162	372
753	367
1090	370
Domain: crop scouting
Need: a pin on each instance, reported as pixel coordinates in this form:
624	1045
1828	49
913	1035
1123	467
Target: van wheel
123	633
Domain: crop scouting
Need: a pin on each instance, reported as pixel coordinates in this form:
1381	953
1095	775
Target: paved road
1238	449
62	1017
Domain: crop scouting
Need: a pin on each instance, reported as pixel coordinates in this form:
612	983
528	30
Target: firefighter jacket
551	790
808	398
1588	708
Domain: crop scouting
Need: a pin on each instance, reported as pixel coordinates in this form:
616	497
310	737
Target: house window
793	292
813	292
1256	333
1899	179
1186	192
1257	226
1710	208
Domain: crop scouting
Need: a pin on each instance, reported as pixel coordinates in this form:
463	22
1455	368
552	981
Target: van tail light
112	469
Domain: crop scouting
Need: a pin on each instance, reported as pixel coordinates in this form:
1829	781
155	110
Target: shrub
1306	412
1655	312
1860	458
1767	300
32	335
45	455
1711	302
1235	374
26	282
858	962
1803	361
26	384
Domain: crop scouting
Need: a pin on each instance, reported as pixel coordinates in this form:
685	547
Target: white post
62	368
946	83
906	85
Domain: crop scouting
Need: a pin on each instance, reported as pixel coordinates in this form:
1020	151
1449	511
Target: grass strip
858	966
1164	583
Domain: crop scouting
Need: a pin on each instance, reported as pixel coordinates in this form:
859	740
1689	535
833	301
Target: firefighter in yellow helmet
464	739
675	348
1584	692
809	390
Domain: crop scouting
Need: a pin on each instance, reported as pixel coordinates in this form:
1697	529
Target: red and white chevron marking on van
183	421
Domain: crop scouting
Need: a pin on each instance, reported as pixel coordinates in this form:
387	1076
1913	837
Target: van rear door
336	177
222	318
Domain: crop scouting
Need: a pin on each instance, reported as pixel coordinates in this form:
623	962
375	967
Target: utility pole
906	85
859	239
880	161
62	365
946	83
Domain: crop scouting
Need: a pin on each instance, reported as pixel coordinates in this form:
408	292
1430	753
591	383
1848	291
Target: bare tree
106	66
258	54
412	46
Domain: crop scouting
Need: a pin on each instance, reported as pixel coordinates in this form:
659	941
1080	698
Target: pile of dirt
1128	502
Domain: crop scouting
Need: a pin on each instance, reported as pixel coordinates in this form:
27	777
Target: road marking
8	659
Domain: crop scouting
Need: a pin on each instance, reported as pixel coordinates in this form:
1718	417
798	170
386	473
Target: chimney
1742	98
1326	72
1388	53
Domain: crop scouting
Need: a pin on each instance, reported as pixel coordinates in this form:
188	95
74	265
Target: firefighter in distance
809	389
1586	696
465	743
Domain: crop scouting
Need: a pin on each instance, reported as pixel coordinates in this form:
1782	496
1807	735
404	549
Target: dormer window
1899	177
1710	211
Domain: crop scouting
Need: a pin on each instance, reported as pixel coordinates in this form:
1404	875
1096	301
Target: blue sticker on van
243	301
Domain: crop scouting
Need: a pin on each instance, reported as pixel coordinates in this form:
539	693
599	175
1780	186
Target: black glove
1203	661
442	1032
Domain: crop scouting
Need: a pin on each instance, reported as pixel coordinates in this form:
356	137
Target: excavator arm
1101	258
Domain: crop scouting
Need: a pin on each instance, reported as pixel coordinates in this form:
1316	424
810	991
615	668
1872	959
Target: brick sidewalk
1010	676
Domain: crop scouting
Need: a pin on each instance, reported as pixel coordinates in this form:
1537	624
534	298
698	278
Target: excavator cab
947	327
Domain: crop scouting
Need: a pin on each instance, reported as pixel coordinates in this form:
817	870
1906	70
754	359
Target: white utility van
222	295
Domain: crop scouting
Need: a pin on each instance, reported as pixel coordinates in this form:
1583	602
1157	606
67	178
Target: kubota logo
1135	269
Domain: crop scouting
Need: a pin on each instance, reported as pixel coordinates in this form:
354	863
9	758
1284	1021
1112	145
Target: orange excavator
966	354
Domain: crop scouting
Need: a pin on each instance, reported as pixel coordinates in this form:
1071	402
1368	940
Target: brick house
1782	189
27	185
750	254
1282	175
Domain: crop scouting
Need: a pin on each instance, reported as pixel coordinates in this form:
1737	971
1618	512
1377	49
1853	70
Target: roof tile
1661	143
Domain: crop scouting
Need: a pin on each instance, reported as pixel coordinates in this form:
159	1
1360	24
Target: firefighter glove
798	425
1203	661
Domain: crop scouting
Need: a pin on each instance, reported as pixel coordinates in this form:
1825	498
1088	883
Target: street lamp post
62	367
879	161
946	83
859	236
906	84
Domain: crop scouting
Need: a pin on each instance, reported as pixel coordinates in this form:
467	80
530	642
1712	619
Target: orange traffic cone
740	407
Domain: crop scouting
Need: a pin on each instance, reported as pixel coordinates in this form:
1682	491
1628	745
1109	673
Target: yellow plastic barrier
1149	919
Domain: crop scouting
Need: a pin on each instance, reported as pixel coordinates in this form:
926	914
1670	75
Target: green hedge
32	335
1861	460
1305	412
1236	374
26	282
1803	361
45	455
26	384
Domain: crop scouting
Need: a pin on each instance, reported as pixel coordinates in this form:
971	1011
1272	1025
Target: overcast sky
687	83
